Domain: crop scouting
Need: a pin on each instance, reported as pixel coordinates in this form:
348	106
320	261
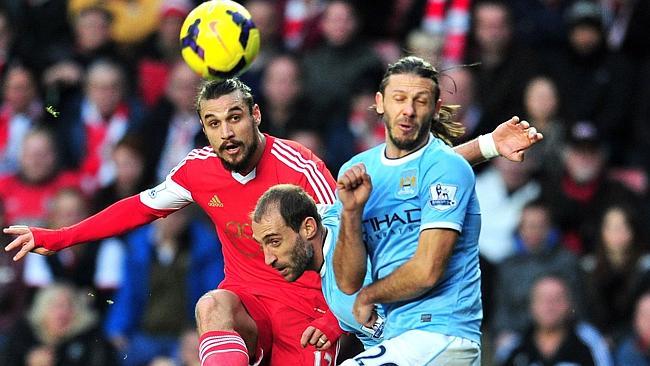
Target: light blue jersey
427	189
339	303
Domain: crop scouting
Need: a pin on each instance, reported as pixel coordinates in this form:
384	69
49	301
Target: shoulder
198	156
288	149
441	159
439	151
367	157
294	158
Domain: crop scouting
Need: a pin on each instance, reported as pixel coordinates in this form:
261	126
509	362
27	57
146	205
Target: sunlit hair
293	203
213	89
444	127
83	317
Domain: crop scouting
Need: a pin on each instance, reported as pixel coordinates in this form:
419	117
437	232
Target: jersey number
318	359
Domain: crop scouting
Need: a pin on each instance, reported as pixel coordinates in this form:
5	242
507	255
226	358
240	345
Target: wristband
487	146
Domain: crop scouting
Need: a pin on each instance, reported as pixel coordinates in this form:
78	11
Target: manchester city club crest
408	184
443	196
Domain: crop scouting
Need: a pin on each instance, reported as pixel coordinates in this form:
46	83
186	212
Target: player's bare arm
413	278
510	139
354	188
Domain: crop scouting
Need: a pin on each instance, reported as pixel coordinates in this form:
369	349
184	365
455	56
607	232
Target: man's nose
408	110
226	131
269	258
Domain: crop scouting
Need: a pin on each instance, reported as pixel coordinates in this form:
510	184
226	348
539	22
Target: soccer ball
219	40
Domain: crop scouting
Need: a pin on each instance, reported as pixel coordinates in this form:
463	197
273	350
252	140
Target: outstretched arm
118	218
510	139
350	255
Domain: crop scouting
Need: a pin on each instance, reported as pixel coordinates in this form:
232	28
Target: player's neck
319	256
394	152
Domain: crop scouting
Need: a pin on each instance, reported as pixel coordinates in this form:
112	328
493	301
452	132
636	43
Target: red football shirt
229	198
27	204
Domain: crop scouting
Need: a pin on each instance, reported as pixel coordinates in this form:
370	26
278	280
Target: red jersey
229	198
27	204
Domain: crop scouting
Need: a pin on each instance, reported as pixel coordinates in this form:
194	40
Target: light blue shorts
420	348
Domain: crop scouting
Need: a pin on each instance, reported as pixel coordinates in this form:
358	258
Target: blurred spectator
96	269
92	41
7	44
503	190
540	24
43	28
60	329
457	87
582	189
94	121
189	350
25	195
300	20
635	350
538	251
13	294
448	20
362	129
366	126
616	272
626	27
555	336
129	159
187	354
172	127
160	51
20	110
132	21
421	44
332	70
283	107
500	78
267	17
594	84
542	110
169	265
309	139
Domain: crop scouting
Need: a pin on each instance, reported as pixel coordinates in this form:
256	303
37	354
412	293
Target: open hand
514	137
24	241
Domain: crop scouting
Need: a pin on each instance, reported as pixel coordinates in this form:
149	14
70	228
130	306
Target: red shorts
279	329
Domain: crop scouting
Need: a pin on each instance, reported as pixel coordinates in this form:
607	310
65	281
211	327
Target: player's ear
379	103
309	227
257	115
438	105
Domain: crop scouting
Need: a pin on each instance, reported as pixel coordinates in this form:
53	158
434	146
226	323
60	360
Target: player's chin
290	276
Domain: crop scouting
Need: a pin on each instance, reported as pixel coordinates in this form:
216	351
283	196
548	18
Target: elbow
428	278
348	283
349	287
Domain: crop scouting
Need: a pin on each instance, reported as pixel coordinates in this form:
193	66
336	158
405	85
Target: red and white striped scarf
451	19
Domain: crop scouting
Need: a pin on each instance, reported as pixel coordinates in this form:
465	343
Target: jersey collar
405	159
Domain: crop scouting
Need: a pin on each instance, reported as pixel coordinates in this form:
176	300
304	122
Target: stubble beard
246	157
302	256
408	144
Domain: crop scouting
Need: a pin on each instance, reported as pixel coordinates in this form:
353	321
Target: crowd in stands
96	105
